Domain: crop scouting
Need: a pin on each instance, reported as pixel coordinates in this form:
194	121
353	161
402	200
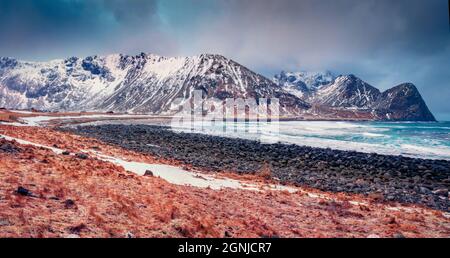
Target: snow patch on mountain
148	83
144	83
303	84
344	94
347	91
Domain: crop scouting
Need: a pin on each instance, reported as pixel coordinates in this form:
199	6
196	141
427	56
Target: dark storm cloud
386	42
131	11
319	31
24	22
43	29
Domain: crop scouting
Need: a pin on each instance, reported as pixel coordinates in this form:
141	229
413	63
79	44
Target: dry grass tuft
266	171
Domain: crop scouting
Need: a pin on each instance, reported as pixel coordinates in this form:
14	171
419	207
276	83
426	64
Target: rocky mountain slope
144	83
303	84
348	93
148	83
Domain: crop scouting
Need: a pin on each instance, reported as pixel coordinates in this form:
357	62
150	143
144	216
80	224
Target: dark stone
441	192
66	153
148	173
390	197
424	190
4	222
402	179
77	229
398	235
69	203
8	147
23	191
82	156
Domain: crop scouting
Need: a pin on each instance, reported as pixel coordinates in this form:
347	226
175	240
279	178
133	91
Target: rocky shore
49	193
389	178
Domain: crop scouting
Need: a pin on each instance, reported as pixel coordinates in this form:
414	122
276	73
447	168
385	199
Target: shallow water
422	140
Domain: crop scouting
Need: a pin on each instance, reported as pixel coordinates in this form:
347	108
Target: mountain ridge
348	92
148	83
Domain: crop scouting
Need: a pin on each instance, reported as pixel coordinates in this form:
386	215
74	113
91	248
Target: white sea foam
369	137
373	135
437	151
346	136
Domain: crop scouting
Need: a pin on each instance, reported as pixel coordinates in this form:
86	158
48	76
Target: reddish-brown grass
111	202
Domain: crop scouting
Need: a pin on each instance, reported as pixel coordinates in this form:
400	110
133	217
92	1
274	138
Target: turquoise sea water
412	139
423	140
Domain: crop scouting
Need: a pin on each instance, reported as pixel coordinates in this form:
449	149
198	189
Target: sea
428	140
411	139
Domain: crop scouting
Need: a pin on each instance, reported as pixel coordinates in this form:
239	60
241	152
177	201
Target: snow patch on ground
24	142
172	174
179	176
13	124
42	120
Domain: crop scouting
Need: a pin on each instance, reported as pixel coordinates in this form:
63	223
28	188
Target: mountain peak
312	80
144	83
349	92
348	77
149	83
210	55
7	62
405	102
407	85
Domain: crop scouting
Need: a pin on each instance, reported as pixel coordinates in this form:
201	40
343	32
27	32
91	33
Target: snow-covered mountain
303	84
403	102
148	83
347	97
144	83
347	92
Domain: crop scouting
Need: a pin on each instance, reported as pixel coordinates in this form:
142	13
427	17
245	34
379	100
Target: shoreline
56	115
394	178
63	198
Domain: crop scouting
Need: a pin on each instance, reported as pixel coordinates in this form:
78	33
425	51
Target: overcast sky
385	42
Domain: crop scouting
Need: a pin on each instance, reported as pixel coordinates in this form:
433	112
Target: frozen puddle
172	174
